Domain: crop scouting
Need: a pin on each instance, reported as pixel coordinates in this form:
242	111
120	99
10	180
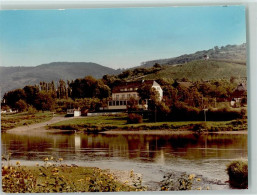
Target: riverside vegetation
119	122
55	176
183	99
238	174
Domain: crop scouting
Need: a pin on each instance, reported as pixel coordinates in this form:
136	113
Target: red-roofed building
239	94
122	93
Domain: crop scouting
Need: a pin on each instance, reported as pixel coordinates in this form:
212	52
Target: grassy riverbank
12	120
60	178
119	122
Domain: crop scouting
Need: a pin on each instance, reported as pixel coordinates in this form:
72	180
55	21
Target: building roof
130	86
241	87
240	91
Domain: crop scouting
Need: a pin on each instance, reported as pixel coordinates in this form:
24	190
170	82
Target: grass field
119	122
201	69
12	120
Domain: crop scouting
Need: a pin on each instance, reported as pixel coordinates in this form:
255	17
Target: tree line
179	96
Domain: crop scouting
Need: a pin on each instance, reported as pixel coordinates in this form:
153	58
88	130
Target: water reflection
153	148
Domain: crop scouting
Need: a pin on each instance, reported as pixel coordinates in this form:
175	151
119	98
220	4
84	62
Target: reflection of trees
29	146
143	147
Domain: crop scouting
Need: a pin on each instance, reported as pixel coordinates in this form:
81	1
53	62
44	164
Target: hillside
18	77
201	69
231	53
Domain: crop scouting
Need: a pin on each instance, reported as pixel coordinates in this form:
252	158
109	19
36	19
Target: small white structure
74	112
122	93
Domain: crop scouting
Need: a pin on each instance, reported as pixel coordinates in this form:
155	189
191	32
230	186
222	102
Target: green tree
147	92
21	105
44	101
157	65
31	94
14	96
89	87
132	105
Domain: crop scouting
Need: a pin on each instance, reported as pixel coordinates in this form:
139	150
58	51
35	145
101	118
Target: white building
74	112
122	94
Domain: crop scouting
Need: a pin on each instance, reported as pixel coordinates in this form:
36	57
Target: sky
116	37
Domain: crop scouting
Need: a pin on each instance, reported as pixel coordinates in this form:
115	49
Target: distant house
9	111
122	93
206	57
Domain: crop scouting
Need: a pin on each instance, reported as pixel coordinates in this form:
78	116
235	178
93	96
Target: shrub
201	127
135	118
181	111
223	114
32	110
238	174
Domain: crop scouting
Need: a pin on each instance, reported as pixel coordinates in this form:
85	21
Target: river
152	155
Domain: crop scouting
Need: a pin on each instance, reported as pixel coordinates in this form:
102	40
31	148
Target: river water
152	155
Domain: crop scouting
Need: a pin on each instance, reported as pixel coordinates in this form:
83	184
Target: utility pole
205	110
155	114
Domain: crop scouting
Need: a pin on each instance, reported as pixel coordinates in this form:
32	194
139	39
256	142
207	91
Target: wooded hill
18	77
224	62
229	53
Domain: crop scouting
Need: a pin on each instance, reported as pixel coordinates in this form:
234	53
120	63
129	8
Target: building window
121	103
125	89
121	89
134	95
123	97
117	97
110	103
128	96
131	89
136	88
125	102
117	103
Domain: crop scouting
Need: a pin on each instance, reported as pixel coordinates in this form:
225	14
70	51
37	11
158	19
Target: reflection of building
77	142
122	93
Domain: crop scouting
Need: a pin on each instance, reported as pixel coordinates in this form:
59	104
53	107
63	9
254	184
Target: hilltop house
122	93
206	57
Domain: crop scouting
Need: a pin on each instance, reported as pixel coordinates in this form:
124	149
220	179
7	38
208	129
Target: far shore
169	132
47	128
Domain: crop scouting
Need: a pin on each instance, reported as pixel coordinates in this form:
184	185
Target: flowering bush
54	176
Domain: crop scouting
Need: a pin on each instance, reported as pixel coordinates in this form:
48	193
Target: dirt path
38	126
